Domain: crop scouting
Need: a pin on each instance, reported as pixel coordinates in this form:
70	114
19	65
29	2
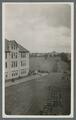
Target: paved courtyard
45	95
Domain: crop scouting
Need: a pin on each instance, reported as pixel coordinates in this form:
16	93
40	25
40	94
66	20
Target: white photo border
72	63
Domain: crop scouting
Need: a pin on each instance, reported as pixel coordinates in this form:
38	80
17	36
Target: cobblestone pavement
54	104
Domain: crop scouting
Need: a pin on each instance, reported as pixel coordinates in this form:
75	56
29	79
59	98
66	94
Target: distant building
54	53
16	60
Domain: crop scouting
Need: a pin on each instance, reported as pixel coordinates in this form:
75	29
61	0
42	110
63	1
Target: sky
39	27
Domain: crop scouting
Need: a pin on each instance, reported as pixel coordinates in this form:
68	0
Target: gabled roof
22	49
6	45
13	42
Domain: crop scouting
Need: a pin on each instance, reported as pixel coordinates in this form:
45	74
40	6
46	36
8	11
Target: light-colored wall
16	70
27	62
7	70
24	68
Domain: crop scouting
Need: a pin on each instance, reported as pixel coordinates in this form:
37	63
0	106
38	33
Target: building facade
16	60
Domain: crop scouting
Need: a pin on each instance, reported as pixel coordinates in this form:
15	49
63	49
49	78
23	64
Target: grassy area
49	64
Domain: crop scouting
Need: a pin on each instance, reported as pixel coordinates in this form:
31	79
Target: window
23	63
16	54
12	64
23	55
11	46
6	64
14	46
6	55
11	55
16	63
12	74
16	72
6	74
23	71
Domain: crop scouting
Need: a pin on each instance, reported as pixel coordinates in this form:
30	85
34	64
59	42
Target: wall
17	69
8	66
14	60
24	67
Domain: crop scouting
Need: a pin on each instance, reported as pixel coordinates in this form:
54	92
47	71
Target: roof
13	42
6	45
21	48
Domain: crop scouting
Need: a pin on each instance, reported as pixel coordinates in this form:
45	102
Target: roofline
26	51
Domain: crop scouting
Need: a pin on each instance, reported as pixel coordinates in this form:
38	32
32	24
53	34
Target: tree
63	57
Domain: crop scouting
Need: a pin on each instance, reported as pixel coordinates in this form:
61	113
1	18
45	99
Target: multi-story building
16	60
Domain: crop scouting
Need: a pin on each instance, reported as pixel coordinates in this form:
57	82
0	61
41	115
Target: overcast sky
39	27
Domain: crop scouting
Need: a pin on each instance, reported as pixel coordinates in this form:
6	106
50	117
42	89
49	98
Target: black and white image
38	59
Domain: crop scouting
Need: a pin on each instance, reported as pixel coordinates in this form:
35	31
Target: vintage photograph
38	59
